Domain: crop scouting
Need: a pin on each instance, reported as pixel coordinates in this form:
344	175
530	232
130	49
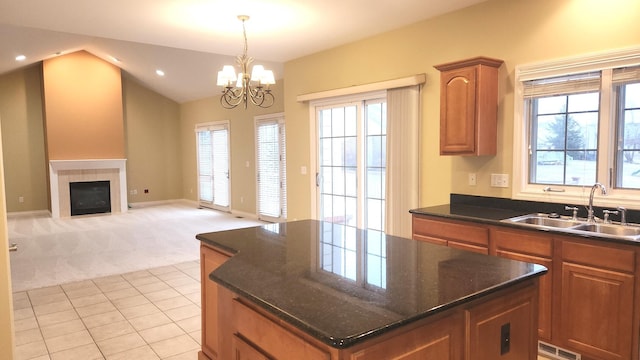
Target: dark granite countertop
343	285
493	214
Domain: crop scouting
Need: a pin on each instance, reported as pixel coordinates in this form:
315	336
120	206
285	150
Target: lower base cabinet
501	325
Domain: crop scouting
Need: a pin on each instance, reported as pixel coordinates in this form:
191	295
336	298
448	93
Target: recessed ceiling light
160	72
21	58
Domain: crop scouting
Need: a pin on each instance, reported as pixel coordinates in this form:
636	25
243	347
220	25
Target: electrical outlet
21	199
472	179
500	180
146	191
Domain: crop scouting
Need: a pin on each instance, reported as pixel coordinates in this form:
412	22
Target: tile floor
148	314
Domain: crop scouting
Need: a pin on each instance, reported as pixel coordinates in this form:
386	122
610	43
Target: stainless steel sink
581	226
610	229
545	220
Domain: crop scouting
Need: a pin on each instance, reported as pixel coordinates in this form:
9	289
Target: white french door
271	168
213	165
350	180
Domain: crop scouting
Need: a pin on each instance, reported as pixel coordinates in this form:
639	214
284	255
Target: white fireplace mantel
56	166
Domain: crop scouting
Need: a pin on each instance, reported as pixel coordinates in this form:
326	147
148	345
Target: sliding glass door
213	165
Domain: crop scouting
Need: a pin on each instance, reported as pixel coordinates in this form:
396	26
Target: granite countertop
494	214
343	285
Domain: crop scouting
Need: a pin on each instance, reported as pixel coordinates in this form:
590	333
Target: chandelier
245	87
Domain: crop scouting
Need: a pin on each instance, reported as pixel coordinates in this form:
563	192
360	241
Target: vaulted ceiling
190	40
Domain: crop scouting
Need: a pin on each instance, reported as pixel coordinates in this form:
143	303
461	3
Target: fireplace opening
90	197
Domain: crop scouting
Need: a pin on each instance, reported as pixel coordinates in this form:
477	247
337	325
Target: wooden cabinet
469	106
504	328
455	234
530	247
589	301
597	291
210	259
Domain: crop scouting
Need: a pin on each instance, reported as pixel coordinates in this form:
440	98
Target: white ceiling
190	40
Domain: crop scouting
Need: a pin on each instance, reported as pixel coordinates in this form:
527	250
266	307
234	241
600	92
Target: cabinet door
441	340
597	311
209	261
468	247
504	328
457	107
531	247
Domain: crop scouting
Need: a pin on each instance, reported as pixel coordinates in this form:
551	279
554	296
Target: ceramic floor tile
174	346
152	287
172	303
114	286
45	291
172	275
21	304
163	270
77	285
89	300
161	332
189	355
130	301
136	275
140	353
52	307
111	330
82	292
20	295
120	343
28	336
68	341
122	293
62	328
197	336
140	310
56	318
25	324
30	350
25	313
162	294
99	308
183	312
190	324
144	280
188	289
181	281
149	321
84	352
47	299
195	297
102	319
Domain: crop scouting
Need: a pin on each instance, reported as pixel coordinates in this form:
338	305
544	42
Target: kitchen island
317	290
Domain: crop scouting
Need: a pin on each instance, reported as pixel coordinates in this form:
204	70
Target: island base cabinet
210	259
504	328
438	340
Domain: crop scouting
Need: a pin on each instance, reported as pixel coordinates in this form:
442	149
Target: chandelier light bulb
254	88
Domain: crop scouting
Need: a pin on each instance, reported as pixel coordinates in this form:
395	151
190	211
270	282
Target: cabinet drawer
451	230
600	256
271	338
522	241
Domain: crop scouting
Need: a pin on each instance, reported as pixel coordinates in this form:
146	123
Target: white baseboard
17	214
243	214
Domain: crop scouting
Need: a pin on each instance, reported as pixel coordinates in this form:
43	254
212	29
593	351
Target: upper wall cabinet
469	106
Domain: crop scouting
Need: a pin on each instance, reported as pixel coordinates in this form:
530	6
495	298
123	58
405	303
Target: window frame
572	194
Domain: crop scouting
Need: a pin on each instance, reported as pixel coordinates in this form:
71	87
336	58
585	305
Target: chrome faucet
603	191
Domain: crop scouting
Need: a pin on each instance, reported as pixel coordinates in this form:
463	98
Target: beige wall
153	149
23	139
516	31
242	133
83	108
6	298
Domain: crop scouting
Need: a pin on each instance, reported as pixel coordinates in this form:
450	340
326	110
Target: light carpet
58	251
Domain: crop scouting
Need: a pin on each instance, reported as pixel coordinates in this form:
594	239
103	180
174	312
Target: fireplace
90	197
64	172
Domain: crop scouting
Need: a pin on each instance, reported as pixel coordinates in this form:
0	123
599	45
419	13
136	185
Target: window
577	122
271	168
213	165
